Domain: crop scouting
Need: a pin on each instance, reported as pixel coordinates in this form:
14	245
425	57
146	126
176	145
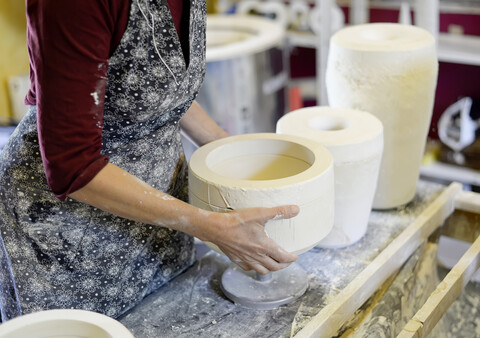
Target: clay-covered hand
243	239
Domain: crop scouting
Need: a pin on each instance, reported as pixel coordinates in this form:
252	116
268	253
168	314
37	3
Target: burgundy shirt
69	44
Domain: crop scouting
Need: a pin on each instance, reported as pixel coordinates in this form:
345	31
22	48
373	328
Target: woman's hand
241	236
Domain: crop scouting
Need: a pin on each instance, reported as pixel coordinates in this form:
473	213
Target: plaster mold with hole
355	140
389	70
268	170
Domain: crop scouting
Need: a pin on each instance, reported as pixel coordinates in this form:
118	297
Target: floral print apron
68	254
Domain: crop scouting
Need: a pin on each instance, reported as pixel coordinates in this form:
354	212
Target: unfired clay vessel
267	170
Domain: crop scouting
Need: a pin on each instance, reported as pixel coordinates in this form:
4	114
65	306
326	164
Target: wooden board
445	294
327	322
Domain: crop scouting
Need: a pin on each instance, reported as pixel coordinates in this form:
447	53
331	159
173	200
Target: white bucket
244	89
245	84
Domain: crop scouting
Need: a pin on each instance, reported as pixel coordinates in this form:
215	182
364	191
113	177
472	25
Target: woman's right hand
241	236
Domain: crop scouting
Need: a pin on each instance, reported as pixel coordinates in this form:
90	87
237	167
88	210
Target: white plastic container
268	170
355	140
245	84
389	70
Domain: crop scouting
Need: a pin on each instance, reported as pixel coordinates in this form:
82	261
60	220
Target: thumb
285	212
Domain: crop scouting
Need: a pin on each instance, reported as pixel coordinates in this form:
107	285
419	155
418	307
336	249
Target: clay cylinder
355	140
268	170
389	70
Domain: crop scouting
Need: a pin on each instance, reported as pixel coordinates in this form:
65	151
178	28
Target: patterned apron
57	254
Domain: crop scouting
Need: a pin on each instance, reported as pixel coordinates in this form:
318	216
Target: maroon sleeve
69	44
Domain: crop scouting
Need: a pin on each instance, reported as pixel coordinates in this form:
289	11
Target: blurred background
453	152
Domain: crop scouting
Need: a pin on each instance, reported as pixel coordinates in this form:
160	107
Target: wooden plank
468	201
411	330
327	322
445	294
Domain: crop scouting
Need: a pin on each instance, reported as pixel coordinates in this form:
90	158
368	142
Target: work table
193	304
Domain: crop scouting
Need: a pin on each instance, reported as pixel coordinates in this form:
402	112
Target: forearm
239	234
200	127
116	191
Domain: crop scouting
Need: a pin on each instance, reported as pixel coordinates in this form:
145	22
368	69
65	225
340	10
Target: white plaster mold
268	170
389	70
233	36
64	323
355	140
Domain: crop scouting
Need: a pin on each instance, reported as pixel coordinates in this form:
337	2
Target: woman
92	182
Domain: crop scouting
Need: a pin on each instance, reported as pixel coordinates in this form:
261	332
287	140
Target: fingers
285	212
273	260
268	265
256	267
251	248
282	256
265	214
281	212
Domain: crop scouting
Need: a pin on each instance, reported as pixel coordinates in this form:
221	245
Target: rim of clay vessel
256	164
349	134
233	36
64	323
386	37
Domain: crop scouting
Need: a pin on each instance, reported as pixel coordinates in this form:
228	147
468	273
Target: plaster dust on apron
389	70
355	140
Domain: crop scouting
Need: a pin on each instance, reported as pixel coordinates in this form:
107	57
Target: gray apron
57	254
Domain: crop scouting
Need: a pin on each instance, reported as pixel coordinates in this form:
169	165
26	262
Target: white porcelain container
355	140
267	170
245	83
64	323
389	70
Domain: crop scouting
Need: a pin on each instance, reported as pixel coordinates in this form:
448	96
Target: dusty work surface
192	305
